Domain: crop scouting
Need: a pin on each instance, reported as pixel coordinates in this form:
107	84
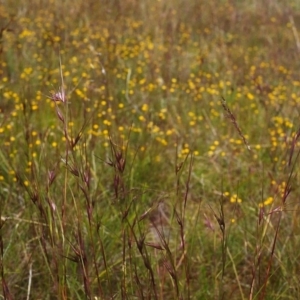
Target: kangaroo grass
126	181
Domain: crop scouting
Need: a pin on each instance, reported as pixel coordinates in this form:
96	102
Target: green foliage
149	149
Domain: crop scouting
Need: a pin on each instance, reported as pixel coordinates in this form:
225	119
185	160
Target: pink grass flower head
60	96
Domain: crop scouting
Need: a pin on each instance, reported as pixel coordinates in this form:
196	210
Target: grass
149	150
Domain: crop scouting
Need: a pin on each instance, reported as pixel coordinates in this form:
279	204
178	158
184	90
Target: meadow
149	149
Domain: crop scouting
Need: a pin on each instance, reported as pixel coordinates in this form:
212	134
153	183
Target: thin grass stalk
124	267
5	289
169	261
144	254
182	227
107	272
232	118
235	273
280	210
94	256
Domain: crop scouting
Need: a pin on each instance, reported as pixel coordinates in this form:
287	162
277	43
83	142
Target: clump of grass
120	177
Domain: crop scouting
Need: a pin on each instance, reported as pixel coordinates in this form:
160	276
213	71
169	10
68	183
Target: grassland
149	149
